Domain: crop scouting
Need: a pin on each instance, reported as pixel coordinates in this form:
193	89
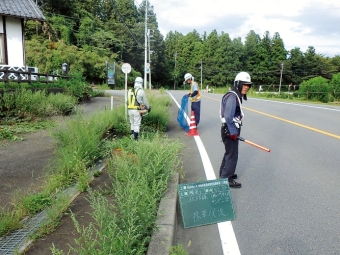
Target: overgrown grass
102	87
80	144
139	176
9	221
24	111
159	116
12	129
86	139
33	203
23	104
54	214
178	250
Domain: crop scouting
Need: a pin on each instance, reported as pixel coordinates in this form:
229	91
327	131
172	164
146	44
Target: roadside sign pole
125	95
126	68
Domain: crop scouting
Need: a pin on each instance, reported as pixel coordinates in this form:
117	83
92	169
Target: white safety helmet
139	79
187	76
138	82
244	77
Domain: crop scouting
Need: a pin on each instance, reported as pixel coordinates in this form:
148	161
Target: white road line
227	234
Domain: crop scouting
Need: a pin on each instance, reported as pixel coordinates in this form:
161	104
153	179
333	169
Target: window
2	49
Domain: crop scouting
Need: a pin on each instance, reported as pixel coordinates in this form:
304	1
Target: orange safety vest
198	96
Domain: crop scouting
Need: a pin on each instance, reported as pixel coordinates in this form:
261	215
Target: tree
114	30
212	59
296	62
251	45
263	67
235	53
311	63
172	52
278	56
186	58
336	63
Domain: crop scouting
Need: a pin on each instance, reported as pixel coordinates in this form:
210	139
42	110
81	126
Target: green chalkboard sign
204	203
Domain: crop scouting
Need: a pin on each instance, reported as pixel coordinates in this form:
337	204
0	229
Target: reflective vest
198	96
131	98
238	115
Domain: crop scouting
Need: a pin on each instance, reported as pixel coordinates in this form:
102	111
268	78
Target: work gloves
233	137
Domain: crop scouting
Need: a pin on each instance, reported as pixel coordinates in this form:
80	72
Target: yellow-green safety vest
132	102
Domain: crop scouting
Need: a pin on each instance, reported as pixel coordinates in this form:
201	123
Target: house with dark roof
13	16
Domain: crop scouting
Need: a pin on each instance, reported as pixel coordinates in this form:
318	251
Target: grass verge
139	176
85	140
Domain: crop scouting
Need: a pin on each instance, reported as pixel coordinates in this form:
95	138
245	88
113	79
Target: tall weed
23	103
80	145
9	221
158	118
140	176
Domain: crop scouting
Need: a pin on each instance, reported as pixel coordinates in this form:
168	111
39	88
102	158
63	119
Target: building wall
2	42
15	47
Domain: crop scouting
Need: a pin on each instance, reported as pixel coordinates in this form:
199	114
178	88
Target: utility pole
146	43
149	59
280	78
201	74
175	70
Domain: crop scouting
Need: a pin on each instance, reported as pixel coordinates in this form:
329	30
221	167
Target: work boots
135	134
234	184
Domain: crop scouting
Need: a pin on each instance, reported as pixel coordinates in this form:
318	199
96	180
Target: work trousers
135	120
230	157
196	108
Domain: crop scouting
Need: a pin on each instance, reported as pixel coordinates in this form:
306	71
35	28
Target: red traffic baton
254	144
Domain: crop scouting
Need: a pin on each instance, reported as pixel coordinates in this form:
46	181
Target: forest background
88	34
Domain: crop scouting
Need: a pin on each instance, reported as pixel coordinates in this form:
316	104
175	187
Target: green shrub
335	87
317	89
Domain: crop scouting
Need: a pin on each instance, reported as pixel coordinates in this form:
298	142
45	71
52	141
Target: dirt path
23	165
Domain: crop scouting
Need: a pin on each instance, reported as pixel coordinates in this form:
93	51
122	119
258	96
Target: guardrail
28	76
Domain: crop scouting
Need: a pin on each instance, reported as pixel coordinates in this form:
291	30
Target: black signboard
204	203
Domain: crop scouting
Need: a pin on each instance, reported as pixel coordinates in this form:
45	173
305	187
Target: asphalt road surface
289	200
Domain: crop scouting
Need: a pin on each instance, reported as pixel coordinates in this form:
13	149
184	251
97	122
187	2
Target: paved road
289	200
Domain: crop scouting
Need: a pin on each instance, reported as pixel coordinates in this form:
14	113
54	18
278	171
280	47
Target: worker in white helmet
137	103
231	115
194	96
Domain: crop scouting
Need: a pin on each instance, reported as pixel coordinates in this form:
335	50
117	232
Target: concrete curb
162	238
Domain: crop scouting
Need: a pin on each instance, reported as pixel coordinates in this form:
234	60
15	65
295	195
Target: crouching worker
136	101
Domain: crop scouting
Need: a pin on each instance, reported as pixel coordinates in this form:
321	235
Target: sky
300	23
